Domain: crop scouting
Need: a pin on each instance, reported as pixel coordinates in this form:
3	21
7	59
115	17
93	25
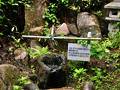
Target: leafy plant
22	80
104	78
16	87
18	42
115	40
98	76
38	51
79	72
1	34
50	14
50	17
100	49
83	42
63	2
46	29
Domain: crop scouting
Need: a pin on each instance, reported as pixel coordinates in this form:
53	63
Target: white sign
78	52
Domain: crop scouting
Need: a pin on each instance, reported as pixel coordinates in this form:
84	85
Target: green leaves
1	34
22	80
38	51
64	2
16	87
107	50
50	17
50	14
78	72
115	40
100	49
52	8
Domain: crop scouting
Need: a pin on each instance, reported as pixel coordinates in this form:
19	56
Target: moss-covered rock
8	76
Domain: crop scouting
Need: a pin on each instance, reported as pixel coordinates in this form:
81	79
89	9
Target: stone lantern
113	15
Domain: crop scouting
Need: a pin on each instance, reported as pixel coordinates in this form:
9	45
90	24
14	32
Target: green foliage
46	29
79	72
100	49
98	13
16	42
89	5
104	77
22	80
83	42
49	14
50	17
38	51
115	40
16	87
57	9
1	34
15	1
98	76
63	2
9	10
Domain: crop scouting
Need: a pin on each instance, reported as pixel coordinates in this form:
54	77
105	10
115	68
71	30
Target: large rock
50	71
87	22
73	29
62	30
8	76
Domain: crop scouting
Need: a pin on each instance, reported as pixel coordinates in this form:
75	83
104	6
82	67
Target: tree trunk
34	14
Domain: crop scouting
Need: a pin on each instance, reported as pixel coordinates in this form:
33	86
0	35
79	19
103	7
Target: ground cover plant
104	68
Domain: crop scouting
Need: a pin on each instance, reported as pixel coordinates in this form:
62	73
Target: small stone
88	86
34	43
36	30
20	54
62	30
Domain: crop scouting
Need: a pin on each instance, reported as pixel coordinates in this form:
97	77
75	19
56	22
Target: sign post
77	52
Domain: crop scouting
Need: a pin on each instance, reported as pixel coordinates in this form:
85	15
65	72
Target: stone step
63	88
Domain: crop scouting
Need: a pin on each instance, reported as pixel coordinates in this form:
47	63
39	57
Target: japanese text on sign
78	52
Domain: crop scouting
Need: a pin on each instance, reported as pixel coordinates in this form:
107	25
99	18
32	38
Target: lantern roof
113	5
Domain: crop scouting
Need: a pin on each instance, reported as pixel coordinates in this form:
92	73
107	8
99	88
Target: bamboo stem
60	37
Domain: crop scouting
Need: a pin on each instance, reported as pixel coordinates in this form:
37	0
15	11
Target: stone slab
112	19
113	5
